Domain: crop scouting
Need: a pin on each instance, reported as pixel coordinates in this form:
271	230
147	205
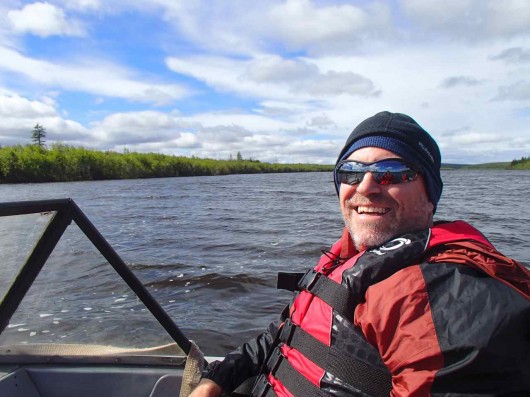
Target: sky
277	81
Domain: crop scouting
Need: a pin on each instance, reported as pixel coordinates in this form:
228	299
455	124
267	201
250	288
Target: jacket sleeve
246	361
448	328
242	363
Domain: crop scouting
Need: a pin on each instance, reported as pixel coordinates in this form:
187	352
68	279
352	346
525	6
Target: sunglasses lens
352	178
384	172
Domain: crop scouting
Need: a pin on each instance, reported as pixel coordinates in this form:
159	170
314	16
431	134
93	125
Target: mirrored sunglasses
384	172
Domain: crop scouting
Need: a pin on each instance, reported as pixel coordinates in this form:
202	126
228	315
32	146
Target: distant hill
518	164
485	166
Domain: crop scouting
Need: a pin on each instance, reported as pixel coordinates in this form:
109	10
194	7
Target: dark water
209	248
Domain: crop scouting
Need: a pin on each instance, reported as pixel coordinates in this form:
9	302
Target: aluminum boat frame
66	370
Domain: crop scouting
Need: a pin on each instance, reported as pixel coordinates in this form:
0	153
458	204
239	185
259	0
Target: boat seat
18	384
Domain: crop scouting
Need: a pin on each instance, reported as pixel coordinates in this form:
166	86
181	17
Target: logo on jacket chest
391	246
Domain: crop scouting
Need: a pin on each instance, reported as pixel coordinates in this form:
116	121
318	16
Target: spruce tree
38	135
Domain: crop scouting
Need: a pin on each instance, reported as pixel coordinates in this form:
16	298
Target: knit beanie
403	136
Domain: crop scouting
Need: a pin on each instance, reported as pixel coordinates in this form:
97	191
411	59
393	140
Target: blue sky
282	81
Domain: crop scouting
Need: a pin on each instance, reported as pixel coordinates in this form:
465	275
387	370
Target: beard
367	234
373	234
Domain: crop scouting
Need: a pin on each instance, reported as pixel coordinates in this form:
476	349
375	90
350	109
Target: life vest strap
289	281
295	337
334	294
279	367
375	381
262	388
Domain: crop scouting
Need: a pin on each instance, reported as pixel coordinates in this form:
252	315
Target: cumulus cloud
329	28
455	131
15	106
275	69
19	115
290	78
304	77
83	5
519	91
223	134
474	138
93	76
44	19
513	55
321	122
455	81
138	127
273	76
470	20
299	25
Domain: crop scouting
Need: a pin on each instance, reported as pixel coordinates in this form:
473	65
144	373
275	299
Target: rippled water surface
209	249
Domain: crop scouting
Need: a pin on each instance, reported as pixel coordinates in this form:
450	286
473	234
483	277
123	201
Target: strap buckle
274	360
287	331
261	387
309	279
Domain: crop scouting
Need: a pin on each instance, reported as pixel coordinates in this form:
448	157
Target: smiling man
399	306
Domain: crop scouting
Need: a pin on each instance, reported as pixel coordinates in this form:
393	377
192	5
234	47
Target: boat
37	360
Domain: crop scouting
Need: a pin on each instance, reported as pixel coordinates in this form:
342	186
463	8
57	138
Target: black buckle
261	387
310	278
274	360
287	331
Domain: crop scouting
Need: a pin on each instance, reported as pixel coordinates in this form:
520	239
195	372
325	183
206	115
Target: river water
209	249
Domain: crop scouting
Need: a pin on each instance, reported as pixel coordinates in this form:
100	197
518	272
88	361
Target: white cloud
137	127
82	5
273	77
469	20
509	17
300	24
473	139
513	55
44	19
19	115
275	69
15	106
93	76
518	91
310	69
454	81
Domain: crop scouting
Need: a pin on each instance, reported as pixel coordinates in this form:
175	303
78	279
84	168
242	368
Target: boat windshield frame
65	211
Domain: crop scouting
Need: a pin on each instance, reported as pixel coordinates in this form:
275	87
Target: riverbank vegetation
522	164
63	163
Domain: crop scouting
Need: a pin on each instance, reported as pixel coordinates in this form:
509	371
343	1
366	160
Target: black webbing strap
371	380
334	294
305	343
374	381
262	388
289	281
293	380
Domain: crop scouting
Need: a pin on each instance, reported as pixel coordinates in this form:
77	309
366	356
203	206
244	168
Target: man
399	306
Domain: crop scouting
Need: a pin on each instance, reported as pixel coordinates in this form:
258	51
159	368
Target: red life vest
308	353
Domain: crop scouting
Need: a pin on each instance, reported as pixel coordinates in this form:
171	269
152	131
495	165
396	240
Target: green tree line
63	163
522	164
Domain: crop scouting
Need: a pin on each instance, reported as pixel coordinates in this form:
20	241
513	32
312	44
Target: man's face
374	214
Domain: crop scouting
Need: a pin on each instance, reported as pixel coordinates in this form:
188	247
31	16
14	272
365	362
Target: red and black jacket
438	312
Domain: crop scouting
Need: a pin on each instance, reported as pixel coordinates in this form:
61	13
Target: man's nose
368	185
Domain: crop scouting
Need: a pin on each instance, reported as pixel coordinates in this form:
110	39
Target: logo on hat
422	146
